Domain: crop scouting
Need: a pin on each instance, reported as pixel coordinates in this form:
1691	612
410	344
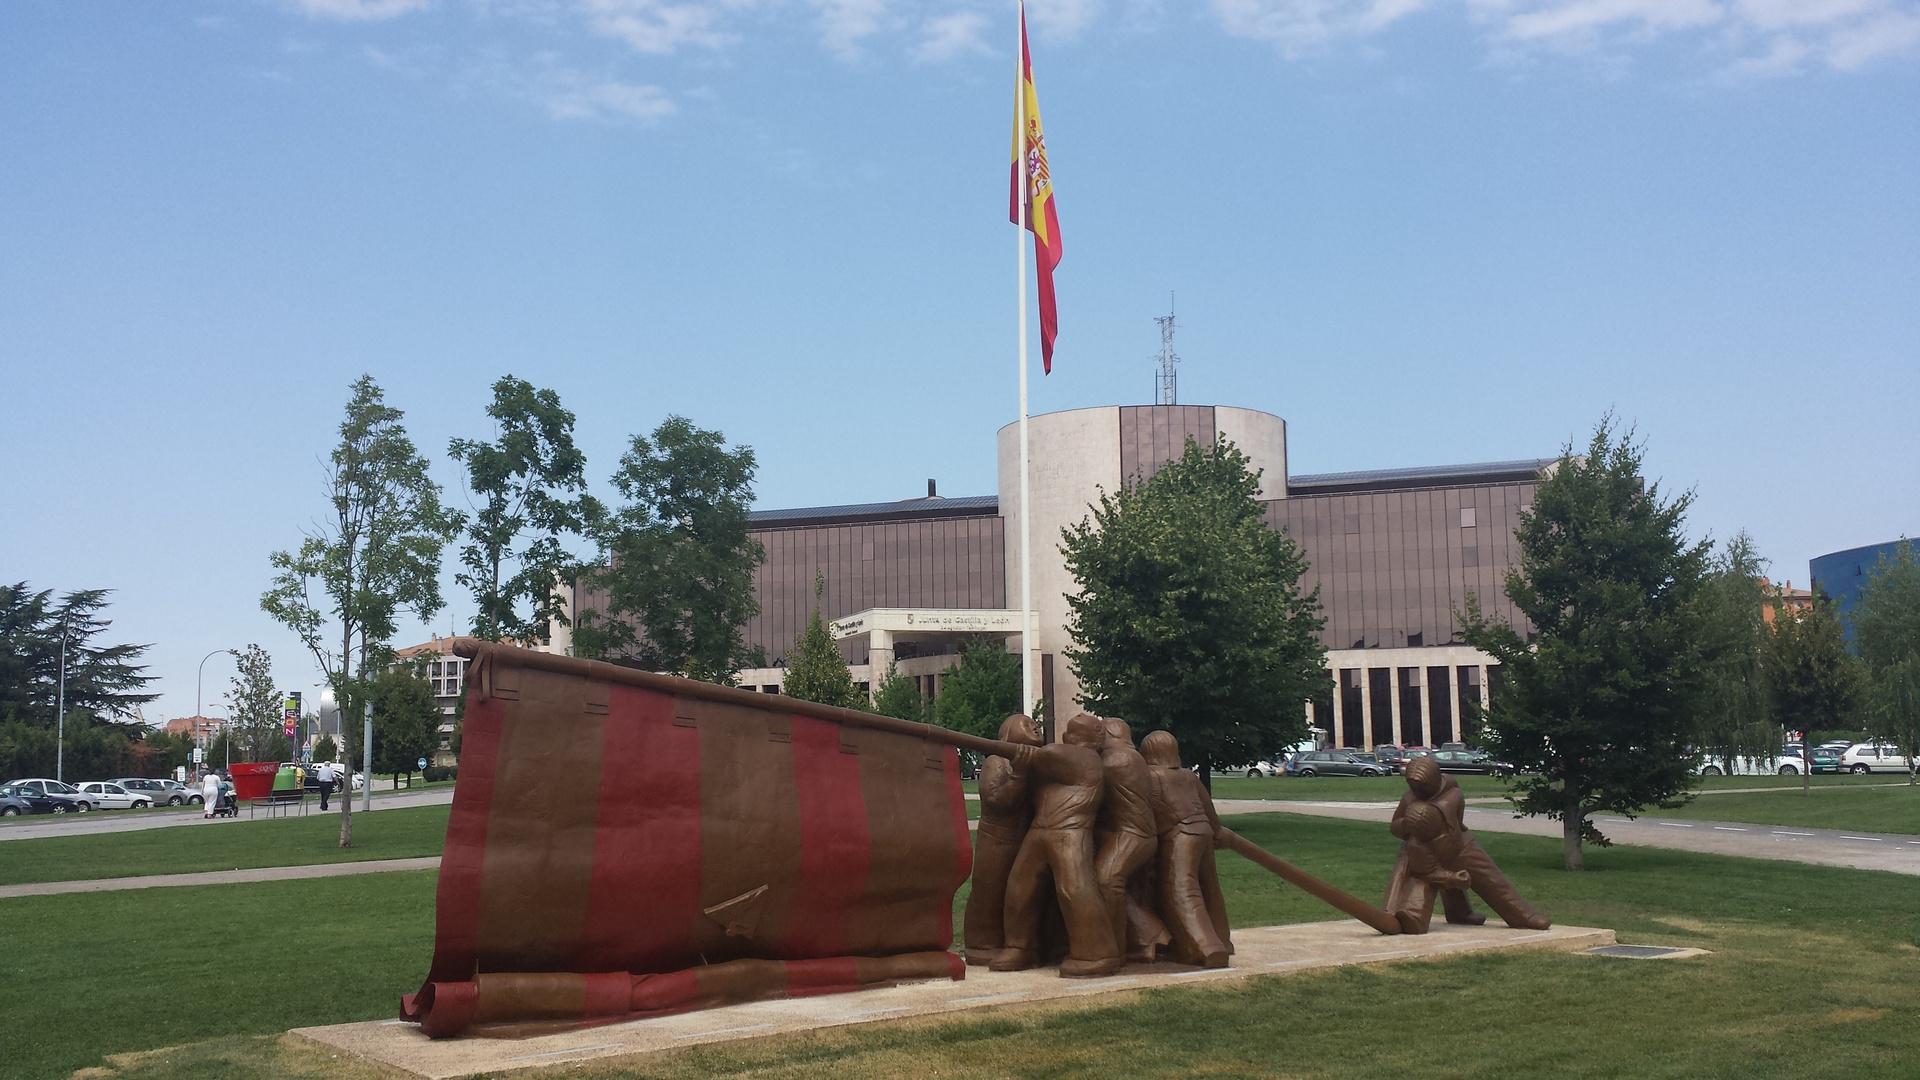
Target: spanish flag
1030	163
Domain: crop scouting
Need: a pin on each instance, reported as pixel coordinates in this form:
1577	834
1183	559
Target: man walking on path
325	777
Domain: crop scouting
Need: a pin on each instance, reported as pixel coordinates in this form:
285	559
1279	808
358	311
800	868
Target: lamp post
60	706
198	679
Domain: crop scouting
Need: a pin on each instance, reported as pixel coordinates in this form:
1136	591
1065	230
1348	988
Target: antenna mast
1165	384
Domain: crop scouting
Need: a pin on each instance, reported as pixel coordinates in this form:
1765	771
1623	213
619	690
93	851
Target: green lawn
1834	951
1893	809
225	845
1390	788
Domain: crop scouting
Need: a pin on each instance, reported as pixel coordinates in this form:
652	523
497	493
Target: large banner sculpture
624	844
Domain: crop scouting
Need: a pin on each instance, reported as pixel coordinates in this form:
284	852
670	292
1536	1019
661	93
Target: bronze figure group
1091	847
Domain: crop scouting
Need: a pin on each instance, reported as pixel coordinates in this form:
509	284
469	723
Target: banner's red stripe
457	902
833	841
645	895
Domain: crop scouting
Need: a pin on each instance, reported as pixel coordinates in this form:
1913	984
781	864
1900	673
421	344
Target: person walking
209	793
325	777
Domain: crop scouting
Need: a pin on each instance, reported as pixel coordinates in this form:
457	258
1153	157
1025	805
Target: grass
224	845
1834	952
1893	809
90	974
1390	788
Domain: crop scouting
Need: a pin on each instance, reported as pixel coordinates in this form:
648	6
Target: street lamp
197	681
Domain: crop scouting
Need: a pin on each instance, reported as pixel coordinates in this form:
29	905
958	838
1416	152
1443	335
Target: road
1893	852
28	828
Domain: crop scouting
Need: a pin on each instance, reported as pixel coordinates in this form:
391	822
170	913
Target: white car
1874	757
106	796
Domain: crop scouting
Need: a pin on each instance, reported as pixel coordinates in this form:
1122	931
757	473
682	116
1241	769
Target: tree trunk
1206	777
1806	768
1571	820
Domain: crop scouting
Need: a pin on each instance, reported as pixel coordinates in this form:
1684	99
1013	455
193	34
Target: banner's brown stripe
910	876
833	838
457	894
539	860
749	825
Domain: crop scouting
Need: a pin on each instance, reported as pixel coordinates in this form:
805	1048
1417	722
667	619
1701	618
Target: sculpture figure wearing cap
1440	856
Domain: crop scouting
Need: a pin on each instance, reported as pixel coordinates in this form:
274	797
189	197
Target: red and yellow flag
1030	163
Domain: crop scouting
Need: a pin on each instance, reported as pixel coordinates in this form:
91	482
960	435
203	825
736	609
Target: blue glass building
1841	574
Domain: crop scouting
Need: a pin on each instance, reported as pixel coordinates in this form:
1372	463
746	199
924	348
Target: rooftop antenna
1165	384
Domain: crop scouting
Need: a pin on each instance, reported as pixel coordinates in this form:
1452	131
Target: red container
253	779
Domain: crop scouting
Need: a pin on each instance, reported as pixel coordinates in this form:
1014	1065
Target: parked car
159	792
1874	757
1340	763
1453	746
1258	768
1395	757
1471	762
1824	761
64	798
17	801
109	796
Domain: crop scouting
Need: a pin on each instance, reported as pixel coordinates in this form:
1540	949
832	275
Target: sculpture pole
1293	875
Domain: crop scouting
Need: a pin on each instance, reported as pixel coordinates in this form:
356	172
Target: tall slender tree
529	491
816	669
377	552
1886	632
1595	711
1813	681
1734	714
1189	613
256	711
678	560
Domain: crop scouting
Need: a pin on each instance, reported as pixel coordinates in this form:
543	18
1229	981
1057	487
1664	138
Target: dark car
50	796
1470	762
1394	757
14	804
1340	763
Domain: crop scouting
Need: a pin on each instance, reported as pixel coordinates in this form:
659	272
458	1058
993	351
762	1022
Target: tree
377	553
981	689
326	749
256	711
679	561
1812	679
1886	634
816	671
1735	715
406	721
104	688
1596	713
531	486
1190	614
899	696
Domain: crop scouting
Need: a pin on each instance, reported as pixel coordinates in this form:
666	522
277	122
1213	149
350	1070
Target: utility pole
60	704
1166	383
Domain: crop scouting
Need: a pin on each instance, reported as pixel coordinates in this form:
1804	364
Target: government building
1395	554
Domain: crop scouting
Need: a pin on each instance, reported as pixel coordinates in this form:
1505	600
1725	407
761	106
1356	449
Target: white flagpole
1020	258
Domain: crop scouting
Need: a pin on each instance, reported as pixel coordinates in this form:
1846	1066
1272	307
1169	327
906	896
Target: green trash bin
286	783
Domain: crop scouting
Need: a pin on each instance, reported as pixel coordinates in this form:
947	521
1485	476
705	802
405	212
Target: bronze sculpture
1439	856
1126	838
1190	897
1005	812
1067	780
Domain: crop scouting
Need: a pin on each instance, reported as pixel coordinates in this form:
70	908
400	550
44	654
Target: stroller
228	805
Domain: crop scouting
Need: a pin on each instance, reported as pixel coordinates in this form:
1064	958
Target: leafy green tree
531	488
1596	713
1189	614
326	749
377	553
816	670
1813	681
1734	714
678	559
107	681
406	721
981	689
899	696
256	711
1886	634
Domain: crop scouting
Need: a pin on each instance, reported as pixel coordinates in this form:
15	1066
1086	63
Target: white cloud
359	10
1061	19
945	37
1761	37
655	26
578	97
845	23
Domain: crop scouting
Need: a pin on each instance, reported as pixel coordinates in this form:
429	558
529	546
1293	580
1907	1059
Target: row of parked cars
1838	756
1384	760
42	796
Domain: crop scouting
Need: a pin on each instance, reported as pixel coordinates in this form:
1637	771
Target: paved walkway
30	828
221	877
1894	852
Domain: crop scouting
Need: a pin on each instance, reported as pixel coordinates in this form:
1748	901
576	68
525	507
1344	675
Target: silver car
159	792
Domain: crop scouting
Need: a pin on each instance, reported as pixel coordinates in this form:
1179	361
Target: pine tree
815	669
899	696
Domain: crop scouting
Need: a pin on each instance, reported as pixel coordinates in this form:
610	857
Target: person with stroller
209	793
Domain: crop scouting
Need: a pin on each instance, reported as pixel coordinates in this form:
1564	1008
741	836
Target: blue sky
1423	231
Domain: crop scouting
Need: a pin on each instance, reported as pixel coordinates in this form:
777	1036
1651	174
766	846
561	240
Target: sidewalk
1893	852
221	877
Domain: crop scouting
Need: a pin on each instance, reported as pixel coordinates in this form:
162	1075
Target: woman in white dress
209	793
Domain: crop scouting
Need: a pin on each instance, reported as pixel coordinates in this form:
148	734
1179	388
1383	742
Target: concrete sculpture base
1268	950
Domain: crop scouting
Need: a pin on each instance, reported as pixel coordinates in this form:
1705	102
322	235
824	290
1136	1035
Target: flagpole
1020	261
